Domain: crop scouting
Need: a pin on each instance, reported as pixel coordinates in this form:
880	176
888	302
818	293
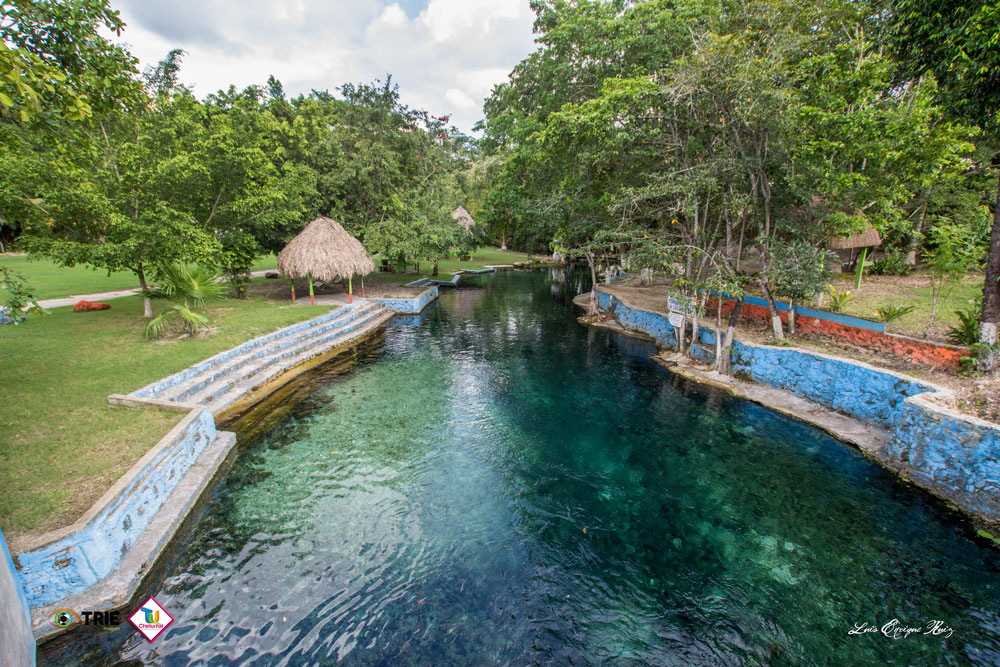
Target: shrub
967	332
890	313
890	265
839	299
186	288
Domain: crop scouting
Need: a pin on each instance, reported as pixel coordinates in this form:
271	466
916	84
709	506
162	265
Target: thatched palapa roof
463	218
865	239
325	251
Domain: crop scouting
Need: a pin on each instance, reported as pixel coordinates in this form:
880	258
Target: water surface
505	486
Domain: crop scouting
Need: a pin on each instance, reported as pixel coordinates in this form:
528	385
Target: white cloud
446	56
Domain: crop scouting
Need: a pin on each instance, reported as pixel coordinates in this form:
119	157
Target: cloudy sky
446	55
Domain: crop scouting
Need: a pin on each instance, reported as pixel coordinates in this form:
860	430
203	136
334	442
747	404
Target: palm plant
185	288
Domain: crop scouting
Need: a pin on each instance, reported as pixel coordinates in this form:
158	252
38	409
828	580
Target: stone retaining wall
874	338
955	456
69	560
414	305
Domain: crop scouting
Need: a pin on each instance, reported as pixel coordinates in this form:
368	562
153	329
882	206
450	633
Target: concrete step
183	391
221	395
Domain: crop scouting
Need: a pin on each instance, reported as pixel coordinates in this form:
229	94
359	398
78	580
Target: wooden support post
312	298
861	268
362	287
350	290
292	281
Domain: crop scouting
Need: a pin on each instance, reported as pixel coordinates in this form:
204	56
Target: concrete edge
120	488
116	589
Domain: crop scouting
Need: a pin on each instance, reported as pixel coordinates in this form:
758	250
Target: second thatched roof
869	237
463	218
326	252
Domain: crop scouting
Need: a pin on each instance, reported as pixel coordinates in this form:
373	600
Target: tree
956	40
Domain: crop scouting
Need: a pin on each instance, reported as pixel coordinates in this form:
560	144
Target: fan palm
186	288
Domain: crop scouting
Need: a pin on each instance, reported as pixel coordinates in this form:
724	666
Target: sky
446	55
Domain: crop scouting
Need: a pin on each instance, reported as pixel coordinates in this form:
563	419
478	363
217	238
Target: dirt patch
278	289
977	396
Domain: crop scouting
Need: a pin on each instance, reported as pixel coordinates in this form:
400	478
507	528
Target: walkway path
104	296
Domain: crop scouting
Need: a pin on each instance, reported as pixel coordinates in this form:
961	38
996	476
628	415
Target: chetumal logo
150	619
67	618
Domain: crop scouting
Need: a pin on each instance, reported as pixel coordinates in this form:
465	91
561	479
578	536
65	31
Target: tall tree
957	40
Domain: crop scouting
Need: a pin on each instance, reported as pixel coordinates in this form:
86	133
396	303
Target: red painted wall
921	351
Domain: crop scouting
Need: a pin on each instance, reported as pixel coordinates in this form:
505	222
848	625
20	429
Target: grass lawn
61	444
50	281
913	290
447	267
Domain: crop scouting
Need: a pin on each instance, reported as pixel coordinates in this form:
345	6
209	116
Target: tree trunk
991	286
147	303
592	308
791	317
435	271
779	331
734	318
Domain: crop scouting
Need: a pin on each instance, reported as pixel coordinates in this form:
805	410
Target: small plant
890	313
967	331
890	265
985	358
186	288
839	299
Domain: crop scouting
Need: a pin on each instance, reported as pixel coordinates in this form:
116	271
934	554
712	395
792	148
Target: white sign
676	319
680	305
151	619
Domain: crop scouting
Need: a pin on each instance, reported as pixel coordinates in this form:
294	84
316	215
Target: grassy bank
61	444
447	267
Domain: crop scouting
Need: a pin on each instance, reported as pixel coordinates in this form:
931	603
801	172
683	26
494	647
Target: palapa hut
463	218
323	250
866	239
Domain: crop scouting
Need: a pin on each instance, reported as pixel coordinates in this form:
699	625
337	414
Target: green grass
448	267
61	444
918	294
49	281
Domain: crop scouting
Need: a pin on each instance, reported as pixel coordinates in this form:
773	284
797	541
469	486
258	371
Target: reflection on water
504	486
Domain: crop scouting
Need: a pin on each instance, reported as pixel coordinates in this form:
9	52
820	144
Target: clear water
506	486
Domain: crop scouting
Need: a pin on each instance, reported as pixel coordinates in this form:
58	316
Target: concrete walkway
105	296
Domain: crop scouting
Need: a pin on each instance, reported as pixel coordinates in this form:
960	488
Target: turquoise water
505	486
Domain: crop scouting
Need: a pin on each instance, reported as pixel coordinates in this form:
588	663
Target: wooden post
861	268
312	299
350	290
292	281
362	287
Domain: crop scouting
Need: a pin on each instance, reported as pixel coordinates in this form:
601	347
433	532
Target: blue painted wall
78	561
953	455
410	305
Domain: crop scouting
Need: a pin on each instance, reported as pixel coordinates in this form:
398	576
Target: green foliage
894	264
56	65
185	288
985	358
798	270
890	313
19	295
838	300
967	331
